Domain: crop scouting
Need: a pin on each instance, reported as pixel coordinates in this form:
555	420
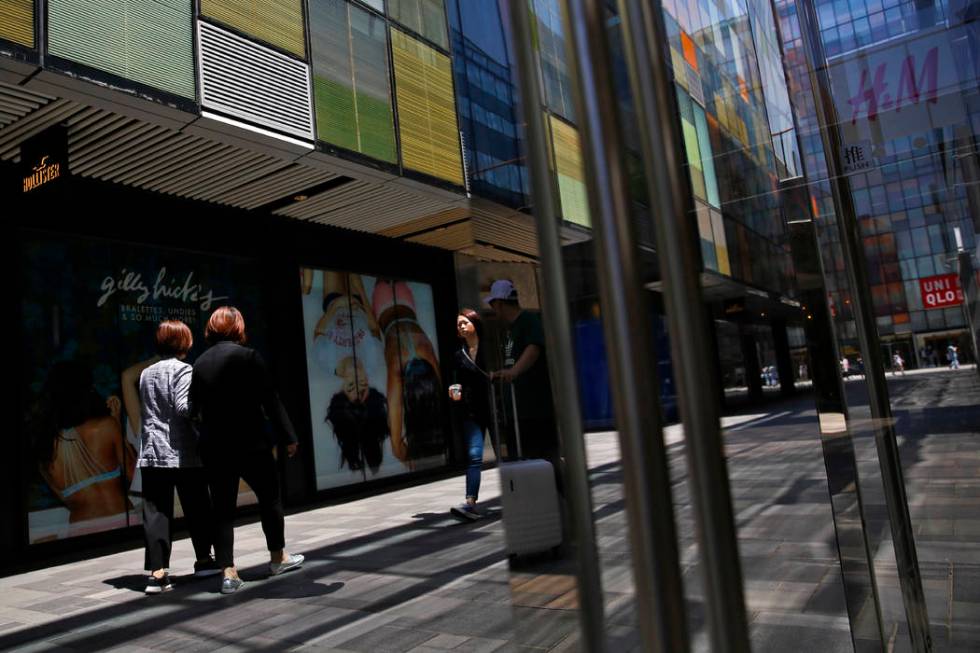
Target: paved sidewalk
389	573
395	572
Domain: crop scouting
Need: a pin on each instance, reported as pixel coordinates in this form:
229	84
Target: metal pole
628	336
680	263
558	336
882	422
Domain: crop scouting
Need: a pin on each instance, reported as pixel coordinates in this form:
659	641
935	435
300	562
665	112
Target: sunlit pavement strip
394	572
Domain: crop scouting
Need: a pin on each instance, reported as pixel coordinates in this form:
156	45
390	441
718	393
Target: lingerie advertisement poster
90	312
376	394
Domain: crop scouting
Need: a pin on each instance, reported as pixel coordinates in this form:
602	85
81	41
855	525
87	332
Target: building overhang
122	138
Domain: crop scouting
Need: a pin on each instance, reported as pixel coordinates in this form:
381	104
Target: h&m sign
905	87
941	291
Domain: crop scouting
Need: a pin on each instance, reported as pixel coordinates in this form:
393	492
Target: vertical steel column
837	443
680	263
857	276
558	335
649	505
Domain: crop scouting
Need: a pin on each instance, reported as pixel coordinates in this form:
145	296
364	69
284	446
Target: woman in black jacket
470	395
231	396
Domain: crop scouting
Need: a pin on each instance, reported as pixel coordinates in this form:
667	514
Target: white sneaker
294	561
466	512
160	585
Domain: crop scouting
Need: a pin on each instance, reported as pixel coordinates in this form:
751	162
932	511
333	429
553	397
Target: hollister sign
44	158
941	291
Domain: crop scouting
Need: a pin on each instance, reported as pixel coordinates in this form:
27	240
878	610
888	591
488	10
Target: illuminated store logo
43	173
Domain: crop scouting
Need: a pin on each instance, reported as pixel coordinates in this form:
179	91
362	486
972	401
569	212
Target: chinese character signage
857	156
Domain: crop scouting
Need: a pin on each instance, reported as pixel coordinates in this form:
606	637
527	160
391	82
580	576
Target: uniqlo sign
941	291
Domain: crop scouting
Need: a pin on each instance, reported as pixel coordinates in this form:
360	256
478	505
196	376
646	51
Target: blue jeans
473	437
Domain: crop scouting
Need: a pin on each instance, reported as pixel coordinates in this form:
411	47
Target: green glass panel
350	79
147	41
369	53
691	147
707	156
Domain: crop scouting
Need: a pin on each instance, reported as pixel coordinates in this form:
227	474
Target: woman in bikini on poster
414	386
80	450
346	344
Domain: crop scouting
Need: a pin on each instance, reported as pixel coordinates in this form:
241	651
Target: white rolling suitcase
529	499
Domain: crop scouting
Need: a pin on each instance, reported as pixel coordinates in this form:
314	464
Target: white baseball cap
501	289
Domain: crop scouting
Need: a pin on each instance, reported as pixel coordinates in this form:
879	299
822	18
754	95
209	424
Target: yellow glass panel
17	21
277	22
571	172
721	243
680	72
426	109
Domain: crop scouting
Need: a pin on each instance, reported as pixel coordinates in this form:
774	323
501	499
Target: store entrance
899	353
936	348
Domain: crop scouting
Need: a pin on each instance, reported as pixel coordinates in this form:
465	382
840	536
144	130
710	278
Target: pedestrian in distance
470	401
898	364
953	356
232	394
168	460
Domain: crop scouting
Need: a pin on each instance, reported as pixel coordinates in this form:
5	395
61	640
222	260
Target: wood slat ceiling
116	148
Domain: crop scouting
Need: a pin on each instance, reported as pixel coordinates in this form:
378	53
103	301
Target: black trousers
159	484
259	470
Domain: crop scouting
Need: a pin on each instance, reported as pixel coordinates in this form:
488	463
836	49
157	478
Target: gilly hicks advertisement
90	312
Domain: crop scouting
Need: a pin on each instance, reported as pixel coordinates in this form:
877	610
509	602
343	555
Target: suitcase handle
496	421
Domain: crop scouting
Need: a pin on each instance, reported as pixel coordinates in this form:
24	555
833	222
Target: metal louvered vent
245	80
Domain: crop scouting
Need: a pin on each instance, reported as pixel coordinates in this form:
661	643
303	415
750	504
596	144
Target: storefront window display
89	311
374	380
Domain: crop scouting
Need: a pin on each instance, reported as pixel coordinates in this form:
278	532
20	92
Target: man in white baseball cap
526	367
502	289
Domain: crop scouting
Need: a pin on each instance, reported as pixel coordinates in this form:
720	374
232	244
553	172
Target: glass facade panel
426	109
351	79
571	175
901	89
277	22
146	41
427	18
554	68
17	21
487	102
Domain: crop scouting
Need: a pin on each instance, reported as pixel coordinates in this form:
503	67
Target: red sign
941	291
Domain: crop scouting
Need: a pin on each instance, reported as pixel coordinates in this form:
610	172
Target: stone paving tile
386	639
484	645
446	642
